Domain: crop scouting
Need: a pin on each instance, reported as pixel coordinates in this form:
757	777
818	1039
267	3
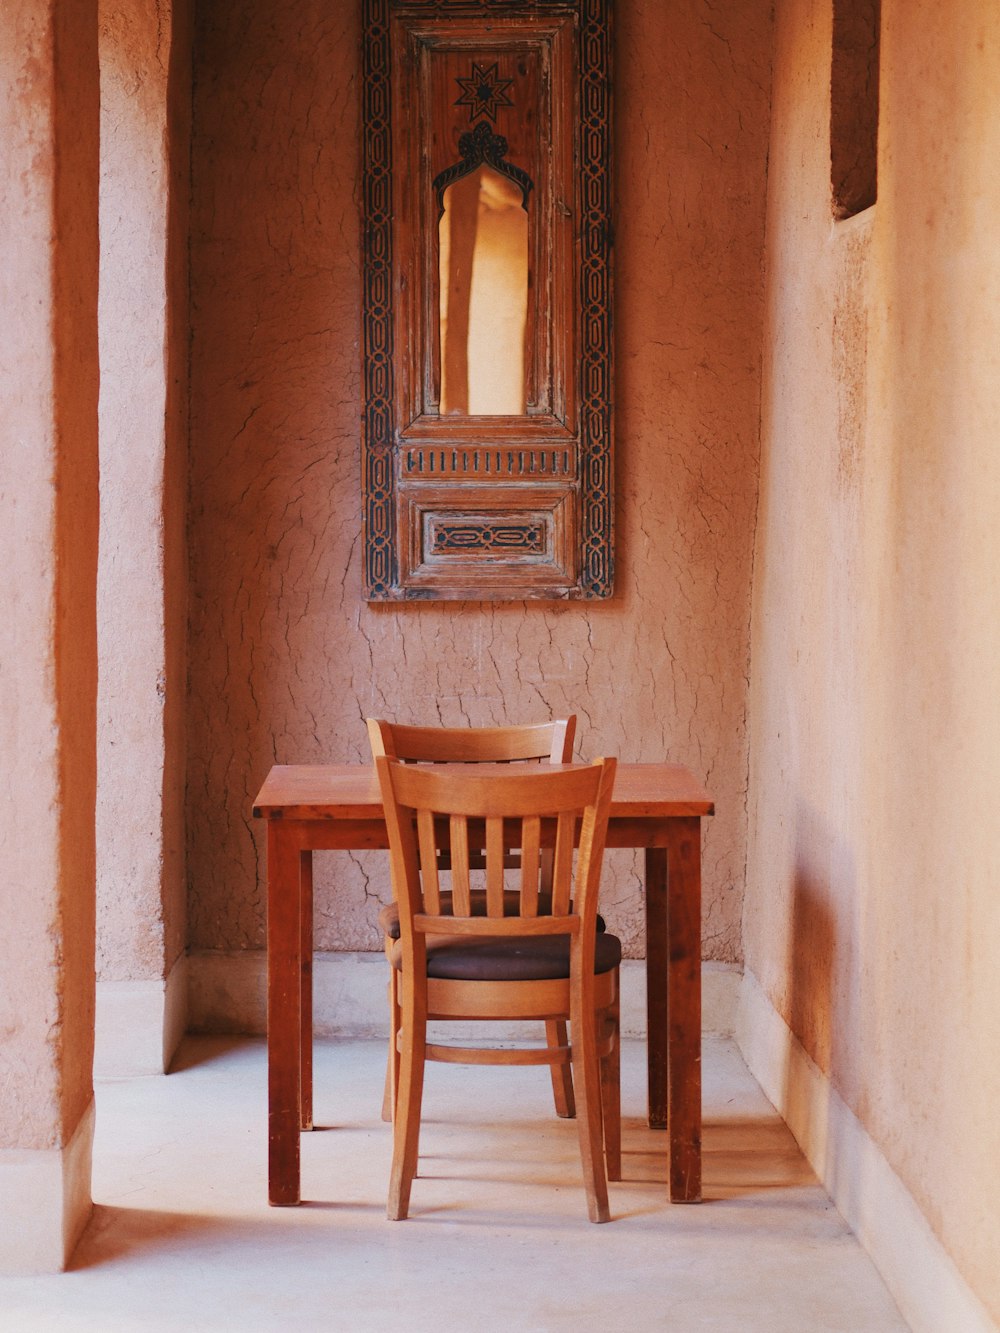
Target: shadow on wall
819	962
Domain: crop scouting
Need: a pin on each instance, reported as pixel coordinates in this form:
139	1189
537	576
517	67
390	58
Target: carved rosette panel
501	507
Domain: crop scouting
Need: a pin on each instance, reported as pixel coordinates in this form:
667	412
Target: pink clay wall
872	917
286	660
48	550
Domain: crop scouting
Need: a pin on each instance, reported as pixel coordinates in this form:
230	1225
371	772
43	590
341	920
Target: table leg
306	998
284	993
684	1009
656	984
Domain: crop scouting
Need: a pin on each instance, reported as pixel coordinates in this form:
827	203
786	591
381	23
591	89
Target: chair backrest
552	741
496	810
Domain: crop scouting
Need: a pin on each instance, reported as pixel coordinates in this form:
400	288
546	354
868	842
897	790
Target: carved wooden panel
487	360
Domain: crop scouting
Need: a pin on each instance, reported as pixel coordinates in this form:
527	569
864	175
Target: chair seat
508	958
388	917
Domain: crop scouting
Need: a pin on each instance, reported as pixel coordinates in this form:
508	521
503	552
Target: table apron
356	835
333	835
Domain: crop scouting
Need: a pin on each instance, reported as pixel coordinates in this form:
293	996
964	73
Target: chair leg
587	1082
611	1094
406	1124
392	1055
562	1075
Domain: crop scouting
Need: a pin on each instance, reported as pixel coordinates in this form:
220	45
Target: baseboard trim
228	993
46	1202
931	1293
139	1024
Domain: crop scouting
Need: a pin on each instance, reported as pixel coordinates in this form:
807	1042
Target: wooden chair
550	742
545	961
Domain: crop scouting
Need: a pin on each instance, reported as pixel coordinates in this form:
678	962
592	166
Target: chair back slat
494	865
429	862
562	869
531	834
461	886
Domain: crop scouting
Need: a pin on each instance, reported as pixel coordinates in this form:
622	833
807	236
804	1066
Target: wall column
145	56
48	655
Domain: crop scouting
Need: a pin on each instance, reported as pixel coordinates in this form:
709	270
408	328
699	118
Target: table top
350	791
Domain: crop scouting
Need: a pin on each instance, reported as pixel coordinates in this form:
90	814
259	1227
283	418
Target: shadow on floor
741	1156
114	1233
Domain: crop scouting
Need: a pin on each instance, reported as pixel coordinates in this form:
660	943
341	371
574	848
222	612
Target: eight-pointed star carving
484	91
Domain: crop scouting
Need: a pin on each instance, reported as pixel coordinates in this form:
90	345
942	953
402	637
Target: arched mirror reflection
483	284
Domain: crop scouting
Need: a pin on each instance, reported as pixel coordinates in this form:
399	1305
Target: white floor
182	1237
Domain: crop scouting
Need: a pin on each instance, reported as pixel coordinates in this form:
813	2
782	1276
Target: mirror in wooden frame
488	455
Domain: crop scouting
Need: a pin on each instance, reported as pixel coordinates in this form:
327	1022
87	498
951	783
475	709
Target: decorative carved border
596	385
379	501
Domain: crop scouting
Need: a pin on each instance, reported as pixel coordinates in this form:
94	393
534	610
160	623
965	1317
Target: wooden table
332	807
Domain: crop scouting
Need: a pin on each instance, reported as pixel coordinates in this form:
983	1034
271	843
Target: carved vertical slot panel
487	450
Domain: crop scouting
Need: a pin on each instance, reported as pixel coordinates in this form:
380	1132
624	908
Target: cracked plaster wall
872	914
286	660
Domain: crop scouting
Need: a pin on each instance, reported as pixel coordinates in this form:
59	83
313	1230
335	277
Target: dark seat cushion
509	958
388	918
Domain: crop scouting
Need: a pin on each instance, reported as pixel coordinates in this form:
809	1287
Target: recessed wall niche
854	94
487	460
